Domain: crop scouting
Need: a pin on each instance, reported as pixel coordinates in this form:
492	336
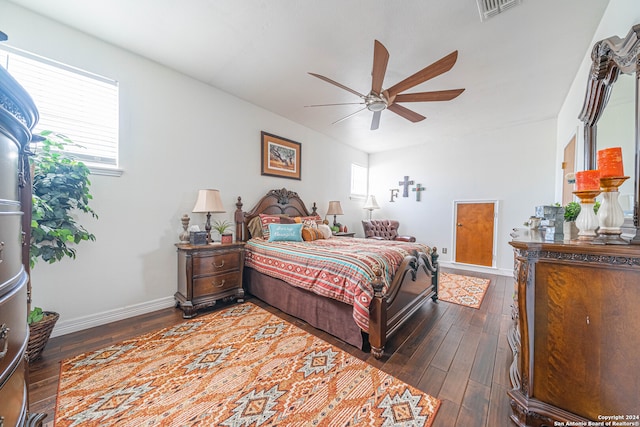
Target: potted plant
60	187
571	211
221	227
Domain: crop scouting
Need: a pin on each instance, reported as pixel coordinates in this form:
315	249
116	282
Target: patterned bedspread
338	268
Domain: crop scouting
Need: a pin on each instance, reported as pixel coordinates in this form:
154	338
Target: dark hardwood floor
455	353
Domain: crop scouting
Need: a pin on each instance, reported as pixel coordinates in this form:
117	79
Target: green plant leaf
35	315
61	189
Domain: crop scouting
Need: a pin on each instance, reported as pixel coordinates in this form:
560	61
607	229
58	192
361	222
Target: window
81	105
358	181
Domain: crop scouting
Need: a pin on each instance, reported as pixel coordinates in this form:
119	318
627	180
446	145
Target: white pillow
326	230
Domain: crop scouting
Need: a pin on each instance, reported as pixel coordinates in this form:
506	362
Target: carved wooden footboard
415	281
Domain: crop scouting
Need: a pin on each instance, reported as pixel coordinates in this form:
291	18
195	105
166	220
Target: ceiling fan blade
412	116
329	105
380	61
440	95
350	115
375	122
328	80
439	67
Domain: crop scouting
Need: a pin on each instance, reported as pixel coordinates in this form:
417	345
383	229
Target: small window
81	105
358	181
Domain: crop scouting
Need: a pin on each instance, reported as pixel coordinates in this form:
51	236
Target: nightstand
343	234
207	274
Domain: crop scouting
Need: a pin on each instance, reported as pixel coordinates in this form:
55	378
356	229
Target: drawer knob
218	266
4	336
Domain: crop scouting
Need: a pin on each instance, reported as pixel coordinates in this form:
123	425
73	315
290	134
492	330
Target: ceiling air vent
490	8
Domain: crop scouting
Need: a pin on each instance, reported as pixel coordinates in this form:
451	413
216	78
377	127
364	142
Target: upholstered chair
384	229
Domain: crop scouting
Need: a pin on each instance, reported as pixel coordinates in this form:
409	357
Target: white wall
512	165
177	136
617	20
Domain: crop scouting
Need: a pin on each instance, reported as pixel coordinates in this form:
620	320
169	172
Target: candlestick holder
610	214
587	222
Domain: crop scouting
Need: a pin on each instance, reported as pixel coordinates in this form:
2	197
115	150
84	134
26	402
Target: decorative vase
570	230
610	214
587	222
184	235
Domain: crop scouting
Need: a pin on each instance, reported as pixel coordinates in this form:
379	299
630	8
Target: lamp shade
371	203
334	208
209	201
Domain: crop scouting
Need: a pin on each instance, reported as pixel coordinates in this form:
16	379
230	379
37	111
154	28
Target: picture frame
281	157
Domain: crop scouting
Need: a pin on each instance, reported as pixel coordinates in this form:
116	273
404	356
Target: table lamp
334	209
371	204
208	201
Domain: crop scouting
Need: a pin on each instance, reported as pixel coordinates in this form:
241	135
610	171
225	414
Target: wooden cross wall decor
418	189
405	183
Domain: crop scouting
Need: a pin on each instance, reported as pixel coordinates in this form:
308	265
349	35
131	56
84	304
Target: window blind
78	104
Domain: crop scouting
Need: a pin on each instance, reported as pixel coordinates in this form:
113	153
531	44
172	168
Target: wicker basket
39	334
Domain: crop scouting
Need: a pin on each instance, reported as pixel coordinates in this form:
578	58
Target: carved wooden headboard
275	202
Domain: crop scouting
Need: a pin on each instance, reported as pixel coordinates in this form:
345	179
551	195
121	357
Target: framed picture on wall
280	156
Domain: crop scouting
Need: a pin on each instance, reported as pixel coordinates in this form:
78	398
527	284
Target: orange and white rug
240	366
463	290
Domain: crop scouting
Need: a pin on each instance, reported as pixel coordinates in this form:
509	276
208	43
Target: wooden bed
415	281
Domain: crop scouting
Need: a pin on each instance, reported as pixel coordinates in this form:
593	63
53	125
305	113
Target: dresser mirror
616	128
610	115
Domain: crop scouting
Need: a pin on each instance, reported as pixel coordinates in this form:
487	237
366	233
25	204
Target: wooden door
474	229
568	166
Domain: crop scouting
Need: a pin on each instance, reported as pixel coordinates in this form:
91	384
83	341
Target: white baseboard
64	327
476	268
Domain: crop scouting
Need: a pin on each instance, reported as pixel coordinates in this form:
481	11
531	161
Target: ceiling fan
378	100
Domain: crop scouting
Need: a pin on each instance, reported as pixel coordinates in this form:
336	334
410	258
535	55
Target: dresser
207	274
575	334
18	115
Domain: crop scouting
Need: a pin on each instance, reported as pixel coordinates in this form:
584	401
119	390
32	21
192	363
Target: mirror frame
611	57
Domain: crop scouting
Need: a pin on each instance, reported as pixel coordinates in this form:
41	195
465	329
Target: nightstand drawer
210	285
218	263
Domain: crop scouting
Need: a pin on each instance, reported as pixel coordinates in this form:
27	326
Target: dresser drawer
218	262
10	245
13	398
211	285
13	323
8	168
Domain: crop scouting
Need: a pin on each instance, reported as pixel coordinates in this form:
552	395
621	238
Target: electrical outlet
444	250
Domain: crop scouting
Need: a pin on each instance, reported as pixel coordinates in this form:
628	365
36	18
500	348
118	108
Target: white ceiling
516	67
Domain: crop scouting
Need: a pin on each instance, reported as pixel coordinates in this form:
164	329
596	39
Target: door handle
459	225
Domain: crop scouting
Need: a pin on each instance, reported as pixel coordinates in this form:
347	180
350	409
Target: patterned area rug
464	290
241	366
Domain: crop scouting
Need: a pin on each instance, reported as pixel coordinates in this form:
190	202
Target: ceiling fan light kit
379	100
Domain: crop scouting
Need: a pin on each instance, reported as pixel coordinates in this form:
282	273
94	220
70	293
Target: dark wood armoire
18	116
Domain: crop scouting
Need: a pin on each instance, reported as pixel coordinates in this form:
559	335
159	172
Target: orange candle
588	180
610	162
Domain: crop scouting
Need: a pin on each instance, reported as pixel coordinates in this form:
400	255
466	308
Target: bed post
239	219
378	318
436	273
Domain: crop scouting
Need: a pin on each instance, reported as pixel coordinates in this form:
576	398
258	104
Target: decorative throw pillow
310	234
313	218
285	232
265	220
255	227
326	230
